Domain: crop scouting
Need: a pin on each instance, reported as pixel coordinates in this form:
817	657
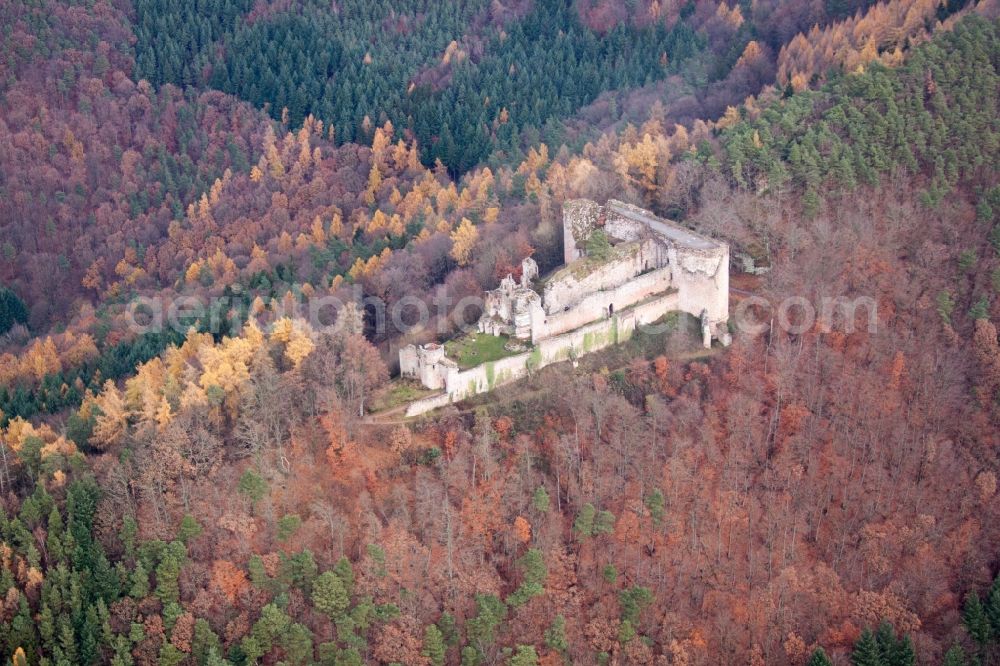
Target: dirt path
386	417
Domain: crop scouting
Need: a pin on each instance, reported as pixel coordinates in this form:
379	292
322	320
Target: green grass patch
398	392
476	348
584	266
524	400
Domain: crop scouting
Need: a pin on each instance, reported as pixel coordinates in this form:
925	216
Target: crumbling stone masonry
647	263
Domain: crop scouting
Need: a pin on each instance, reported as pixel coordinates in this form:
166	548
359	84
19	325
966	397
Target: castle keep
624	267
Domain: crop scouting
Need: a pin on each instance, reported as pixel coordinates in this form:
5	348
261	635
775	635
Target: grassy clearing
476	348
398	392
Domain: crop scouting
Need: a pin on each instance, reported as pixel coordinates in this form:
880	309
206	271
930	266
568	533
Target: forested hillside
107	162
220	495
305	59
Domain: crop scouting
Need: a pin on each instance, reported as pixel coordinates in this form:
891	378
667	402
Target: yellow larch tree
445	198
143	392
396	226
413	161
112	417
378	223
226	366
43	358
94	277
400	155
729	119
216	190
193	272
374	182
639	162
274	163
336	225
532	185
381	142
303	243
535	160
463	241
357	269
317	231
751	54
298	343
258	260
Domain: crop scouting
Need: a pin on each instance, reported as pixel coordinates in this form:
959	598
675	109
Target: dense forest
307	60
219	494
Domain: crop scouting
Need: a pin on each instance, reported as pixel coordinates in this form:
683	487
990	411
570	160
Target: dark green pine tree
297	644
88	636
20	632
955	657
894	651
903	653
12	310
168	571
434	648
866	651
204	641
992	606
345	572
975	619
329	595
819	658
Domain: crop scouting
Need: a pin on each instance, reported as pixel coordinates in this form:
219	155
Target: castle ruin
624	267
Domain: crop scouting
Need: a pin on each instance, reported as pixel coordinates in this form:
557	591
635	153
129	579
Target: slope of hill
226	504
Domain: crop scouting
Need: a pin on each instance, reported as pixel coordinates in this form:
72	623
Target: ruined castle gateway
624	267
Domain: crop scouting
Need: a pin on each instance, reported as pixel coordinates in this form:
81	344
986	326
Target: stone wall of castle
427	364
700	265
623	228
571	284
567	346
701	278
655	267
428	404
408	361
600	304
580	216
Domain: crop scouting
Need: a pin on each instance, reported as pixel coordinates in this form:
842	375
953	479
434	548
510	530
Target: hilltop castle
645	256
623	267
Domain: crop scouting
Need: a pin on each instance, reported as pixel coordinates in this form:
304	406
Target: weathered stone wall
580	217
511	309
618	220
572	283
426	363
658	266
597	305
621	227
408	361
583	340
701	265
424	405
702	281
